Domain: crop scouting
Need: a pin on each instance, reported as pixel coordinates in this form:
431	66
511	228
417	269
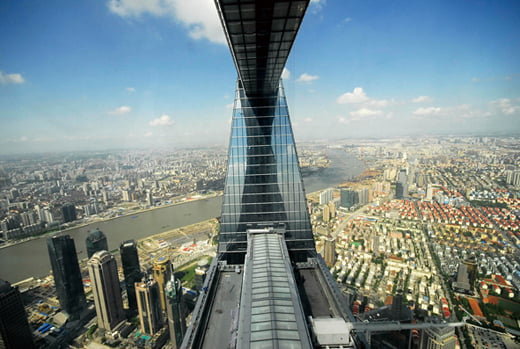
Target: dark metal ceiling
260	34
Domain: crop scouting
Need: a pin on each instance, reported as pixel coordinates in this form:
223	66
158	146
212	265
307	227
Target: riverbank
106	219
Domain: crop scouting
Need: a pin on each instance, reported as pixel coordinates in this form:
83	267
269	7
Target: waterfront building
325	196
69	212
96	241
175	311
67	275
15	331
131	270
348	198
162	271
149	306
104	279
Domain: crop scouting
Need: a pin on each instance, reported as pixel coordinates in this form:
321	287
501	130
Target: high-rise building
131	270
104	279
149	306
363	196
332	209
96	241
325	196
326	213
175	311
349	198
438	338
329	251
15	332
67	275
472	269
162	271
69	212
263	288
263	183
401	187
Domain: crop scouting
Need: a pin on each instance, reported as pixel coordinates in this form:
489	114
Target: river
31	258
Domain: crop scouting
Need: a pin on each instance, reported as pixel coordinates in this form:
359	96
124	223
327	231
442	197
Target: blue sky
85	74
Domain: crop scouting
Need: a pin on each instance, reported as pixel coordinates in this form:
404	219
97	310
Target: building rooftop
265	302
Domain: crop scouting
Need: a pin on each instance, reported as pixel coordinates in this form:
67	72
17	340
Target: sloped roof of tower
260	35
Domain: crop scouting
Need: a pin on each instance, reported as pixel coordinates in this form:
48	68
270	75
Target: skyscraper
175	311
149	305
326	196
102	268
15	332
263	183
131	270
438	338
96	241
67	275
162	272
329	251
401	187
69	212
349	198
265	227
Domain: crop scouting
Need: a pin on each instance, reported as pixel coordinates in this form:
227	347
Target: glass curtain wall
264	185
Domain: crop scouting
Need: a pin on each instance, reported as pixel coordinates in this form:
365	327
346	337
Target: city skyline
115	74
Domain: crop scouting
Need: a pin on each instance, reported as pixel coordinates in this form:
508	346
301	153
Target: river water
31	258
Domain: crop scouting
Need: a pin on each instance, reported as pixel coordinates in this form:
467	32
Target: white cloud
422	99
475	80
130	89
24	139
427	111
148	134
11	78
163	120
364	113
505	106
307	120
317	5
229	106
380	103
343	120
286	74
124	109
354	97
307	78
198	16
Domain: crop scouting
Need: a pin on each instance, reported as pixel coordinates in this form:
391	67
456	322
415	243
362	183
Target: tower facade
102	268
96	241
149	306
14	329
264	186
175	311
67	275
131	270
161	274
